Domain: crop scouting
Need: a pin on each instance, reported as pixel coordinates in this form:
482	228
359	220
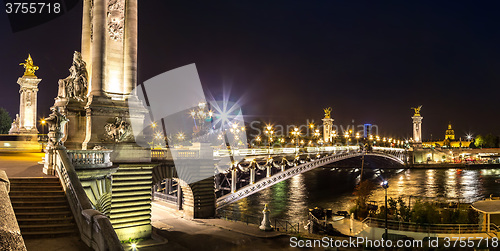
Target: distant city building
448	141
367	130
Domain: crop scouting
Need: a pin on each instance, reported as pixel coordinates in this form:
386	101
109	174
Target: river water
333	188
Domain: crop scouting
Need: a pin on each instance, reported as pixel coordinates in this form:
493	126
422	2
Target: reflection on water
332	188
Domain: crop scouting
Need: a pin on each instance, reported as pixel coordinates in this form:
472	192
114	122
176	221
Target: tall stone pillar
27	119
327	126
109	44
417	126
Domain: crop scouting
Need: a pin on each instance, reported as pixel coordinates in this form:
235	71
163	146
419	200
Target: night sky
370	60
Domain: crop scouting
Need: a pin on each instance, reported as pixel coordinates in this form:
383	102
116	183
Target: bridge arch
302	165
195	200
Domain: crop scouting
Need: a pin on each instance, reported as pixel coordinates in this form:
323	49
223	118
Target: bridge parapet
90	158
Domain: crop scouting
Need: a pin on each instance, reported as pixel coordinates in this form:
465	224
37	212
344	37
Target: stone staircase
131	200
41	208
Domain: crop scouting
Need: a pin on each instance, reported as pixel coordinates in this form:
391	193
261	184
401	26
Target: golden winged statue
417	110
327	112
29	67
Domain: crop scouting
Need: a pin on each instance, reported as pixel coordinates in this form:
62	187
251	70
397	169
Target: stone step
132	208
62	212
37	233
130	219
131	198
129	188
126	204
130	177
131	172
51	219
35	188
44	192
131	193
30	181
43	199
41	208
129	214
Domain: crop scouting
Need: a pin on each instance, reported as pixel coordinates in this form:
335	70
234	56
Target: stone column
130	47
98	46
28	104
327	130
417	129
252	175
233	180
86	37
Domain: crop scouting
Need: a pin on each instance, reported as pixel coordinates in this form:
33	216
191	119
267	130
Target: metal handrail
279	225
428	228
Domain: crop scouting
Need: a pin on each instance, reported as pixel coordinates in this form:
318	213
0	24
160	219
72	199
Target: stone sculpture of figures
29	67
118	131
56	123
14	128
75	85
327	112
417	110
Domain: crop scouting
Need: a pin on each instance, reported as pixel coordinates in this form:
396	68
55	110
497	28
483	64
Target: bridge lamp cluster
385	184
258	139
316	133
180	136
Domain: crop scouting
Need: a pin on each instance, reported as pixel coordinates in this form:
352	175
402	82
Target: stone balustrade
85	159
95	228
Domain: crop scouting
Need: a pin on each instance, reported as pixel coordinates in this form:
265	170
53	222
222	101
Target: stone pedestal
109	125
327	130
417	129
75	130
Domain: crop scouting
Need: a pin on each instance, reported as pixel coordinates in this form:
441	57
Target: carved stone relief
116	18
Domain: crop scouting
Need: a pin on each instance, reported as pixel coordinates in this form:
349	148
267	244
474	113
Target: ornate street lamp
385	185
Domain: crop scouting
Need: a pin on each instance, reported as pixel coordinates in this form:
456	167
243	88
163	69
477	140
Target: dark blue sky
371	61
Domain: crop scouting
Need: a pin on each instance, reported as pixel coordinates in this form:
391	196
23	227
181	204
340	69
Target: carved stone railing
162	154
95	228
10	234
90	158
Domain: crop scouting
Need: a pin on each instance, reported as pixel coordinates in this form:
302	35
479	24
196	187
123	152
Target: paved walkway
210	234
18	165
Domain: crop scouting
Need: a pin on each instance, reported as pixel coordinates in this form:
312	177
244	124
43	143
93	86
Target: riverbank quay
430	234
220	234
454	166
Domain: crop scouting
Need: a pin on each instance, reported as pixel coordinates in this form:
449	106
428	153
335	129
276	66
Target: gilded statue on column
327	112
29	67
417	111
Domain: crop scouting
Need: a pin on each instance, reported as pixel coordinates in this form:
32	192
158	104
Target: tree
490	141
362	191
479	141
5	121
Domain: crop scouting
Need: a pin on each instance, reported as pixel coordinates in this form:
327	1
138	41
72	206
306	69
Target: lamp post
42	122
269	132
296	133
385	185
